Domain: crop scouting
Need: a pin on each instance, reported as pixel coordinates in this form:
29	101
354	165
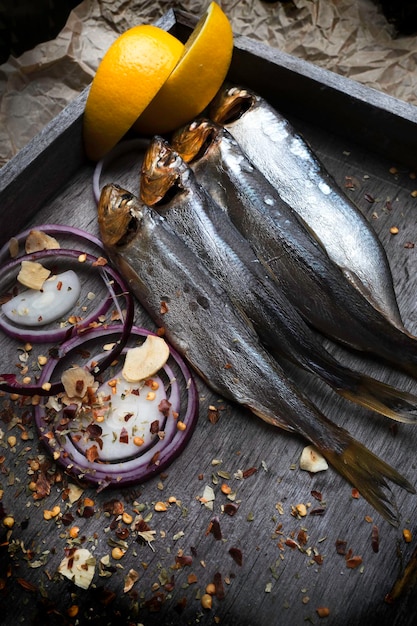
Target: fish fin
384	399
370	475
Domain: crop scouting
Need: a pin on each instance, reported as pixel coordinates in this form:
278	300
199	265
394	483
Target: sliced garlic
312	461
32	274
145	360
42	305
79	567
38	240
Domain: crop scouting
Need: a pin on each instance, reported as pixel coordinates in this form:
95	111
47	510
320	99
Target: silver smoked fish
311	281
220	344
169	185
287	161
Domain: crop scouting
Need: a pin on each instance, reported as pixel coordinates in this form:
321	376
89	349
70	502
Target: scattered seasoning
353	562
249	472
375	538
341	547
214	528
213	414
206	601
407	535
323	611
236	555
231	509
394	230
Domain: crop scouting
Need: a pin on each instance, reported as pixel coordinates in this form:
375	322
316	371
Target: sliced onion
61	434
72	335
38	307
122	148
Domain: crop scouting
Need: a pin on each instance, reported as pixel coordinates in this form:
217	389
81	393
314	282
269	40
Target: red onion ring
71	335
34	335
52	230
153	459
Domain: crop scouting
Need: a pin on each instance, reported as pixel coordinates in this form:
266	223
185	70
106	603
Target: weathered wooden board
359	134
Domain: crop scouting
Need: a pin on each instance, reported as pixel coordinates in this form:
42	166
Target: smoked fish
286	159
169	185
220	344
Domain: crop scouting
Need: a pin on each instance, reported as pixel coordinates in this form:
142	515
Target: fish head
162	171
119	216
196	140
230	104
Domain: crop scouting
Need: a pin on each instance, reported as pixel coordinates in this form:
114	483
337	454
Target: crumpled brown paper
350	37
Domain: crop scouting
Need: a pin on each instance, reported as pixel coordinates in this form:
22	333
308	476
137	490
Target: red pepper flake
79	386
291	543
183	560
114	506
128	416
375	538
94	431
155	459
218	585
341	547
231	508
213	414
249	472
302	537
28	586
92	454
353	562
323	611
317	495
318	558
100	262
317	511
214	528
164	407
124	436
355	494
163	308
59	285
154	427
155	603
181	604
236	555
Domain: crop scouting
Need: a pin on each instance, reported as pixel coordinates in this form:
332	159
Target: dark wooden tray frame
383	126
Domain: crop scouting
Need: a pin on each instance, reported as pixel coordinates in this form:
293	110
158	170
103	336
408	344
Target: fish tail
369	474
382	398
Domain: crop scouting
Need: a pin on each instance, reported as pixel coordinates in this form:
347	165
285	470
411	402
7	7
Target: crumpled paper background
349	37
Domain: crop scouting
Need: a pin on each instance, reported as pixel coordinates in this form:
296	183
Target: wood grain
276	583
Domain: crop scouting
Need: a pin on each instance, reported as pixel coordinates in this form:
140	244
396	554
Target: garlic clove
312	461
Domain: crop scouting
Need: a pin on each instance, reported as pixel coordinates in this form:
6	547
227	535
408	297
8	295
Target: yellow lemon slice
196	78
129	76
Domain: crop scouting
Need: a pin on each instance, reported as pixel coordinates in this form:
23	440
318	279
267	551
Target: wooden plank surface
276	583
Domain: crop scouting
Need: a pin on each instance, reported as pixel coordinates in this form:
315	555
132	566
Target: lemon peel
129	76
